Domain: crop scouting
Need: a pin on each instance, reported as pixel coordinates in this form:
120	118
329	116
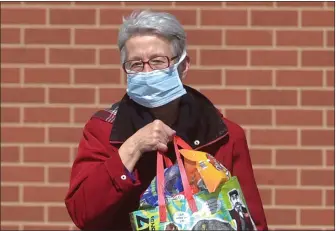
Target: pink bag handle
161	181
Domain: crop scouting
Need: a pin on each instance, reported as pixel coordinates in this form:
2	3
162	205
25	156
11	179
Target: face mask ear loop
183	56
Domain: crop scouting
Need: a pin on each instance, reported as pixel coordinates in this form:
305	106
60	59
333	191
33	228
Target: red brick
273	137
202	4
298	157
9	193
46	154
281	217
224	57
203	77
47	75
22	174
98	3
82	115
52	3
22	134
47	36
317	98
9	227
185	17
113	16
109	56
65	135
274	97
10	75
46	115
317	137
97	76
23	16
331	78
22	95
10	35
72	56
318	18
248	37
23	55
71	95
226	97
224	17
111	95
204	37
249	116
96	36
59	174
249	4
274	58
72	16
46	227
58	214
261	156
22	213
146	3
274	18
330	197
299	38
300	4
10	115
266	196
317	217
269	177
10	3
299	117
299	197
318	58
331	4
317	177
44	194
330	118
240	77
299	78
330	157
10	154
330	38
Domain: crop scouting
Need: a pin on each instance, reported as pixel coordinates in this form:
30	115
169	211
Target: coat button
196	142
123	177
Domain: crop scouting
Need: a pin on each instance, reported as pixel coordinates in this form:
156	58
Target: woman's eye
136	64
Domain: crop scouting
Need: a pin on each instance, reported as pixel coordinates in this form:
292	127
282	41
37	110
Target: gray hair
157	23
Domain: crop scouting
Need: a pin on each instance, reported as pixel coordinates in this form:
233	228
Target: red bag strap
186	186
161	181
167	161
178	140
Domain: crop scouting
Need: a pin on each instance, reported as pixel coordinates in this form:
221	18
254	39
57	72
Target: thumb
169	132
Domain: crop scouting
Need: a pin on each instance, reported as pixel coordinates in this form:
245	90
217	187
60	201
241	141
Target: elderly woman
116	158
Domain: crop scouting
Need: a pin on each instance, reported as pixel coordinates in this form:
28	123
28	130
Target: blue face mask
156	88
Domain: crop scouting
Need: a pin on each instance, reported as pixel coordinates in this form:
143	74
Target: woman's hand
153	137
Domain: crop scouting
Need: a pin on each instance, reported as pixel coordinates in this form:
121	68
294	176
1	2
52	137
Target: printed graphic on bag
224	209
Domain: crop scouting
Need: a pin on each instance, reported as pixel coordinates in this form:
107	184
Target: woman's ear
185	65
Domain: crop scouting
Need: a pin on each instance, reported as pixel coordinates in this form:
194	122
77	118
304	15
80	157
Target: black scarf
197	119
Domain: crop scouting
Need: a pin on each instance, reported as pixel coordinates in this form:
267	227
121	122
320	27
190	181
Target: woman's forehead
147	46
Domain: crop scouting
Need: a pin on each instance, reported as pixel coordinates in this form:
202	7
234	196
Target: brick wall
268	66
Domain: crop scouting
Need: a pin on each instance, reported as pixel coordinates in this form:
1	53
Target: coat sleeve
242	168
99	183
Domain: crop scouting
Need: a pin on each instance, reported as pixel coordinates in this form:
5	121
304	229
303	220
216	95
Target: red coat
101	195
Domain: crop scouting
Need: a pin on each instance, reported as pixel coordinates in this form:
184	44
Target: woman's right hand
153	137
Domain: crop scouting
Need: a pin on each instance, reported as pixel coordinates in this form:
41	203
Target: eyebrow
150	57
